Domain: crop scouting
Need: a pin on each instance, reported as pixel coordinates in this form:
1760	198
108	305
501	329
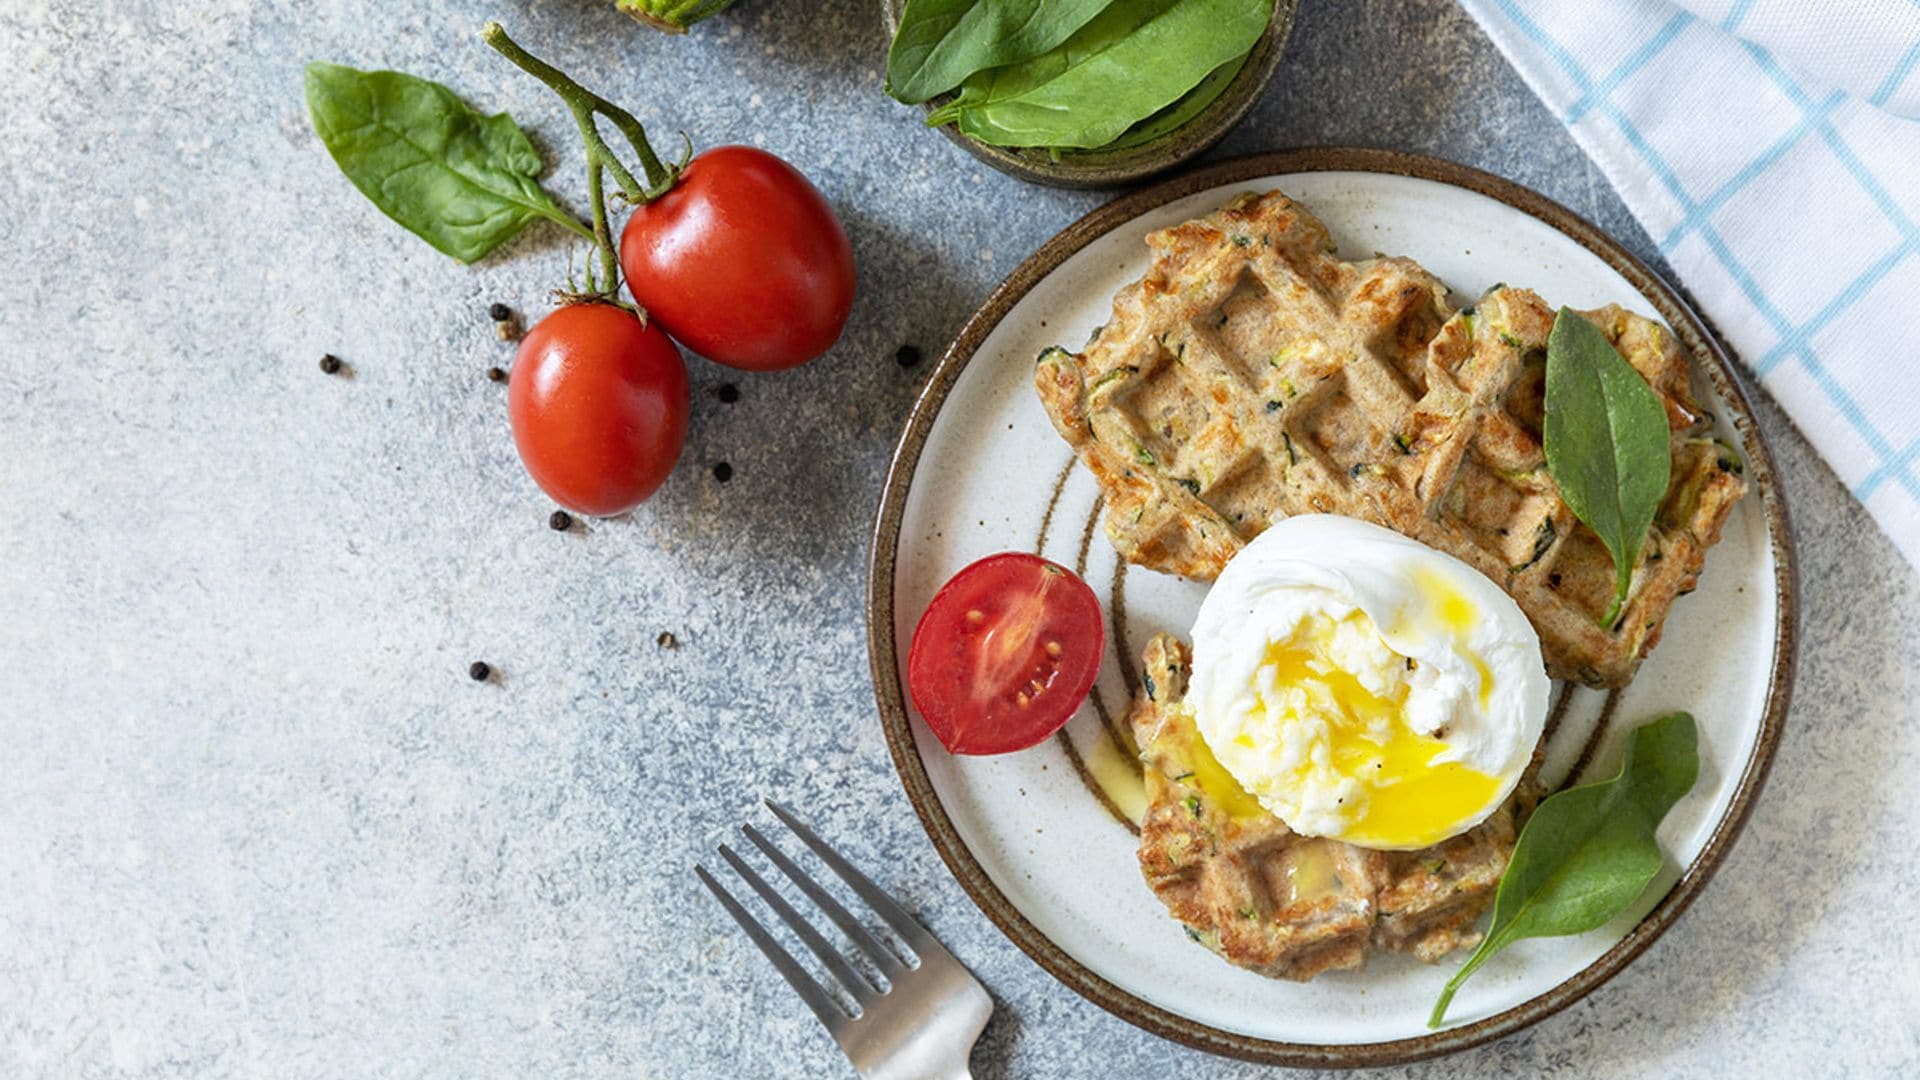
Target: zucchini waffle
1253	374
1281	904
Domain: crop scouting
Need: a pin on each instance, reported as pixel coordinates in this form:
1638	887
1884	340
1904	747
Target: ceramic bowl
1115	168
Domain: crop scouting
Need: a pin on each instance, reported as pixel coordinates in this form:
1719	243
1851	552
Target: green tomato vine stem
585	105
602	235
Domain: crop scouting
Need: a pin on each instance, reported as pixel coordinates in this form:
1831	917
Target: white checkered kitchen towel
1770	149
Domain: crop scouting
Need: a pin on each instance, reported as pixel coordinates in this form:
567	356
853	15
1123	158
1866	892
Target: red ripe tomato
742	261
599	407
1005	654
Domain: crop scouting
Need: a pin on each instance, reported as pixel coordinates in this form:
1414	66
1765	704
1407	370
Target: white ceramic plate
1038	838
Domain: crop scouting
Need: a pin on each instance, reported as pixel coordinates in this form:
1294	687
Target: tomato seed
1022	699
976	617
1053	648
479	671
330	364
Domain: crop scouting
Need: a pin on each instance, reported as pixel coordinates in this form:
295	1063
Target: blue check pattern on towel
1785	195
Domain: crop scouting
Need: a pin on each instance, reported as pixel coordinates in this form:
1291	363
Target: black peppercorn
499	312
906	356
497	374
330	364
723	472
560	521
666	640
480	671
728	393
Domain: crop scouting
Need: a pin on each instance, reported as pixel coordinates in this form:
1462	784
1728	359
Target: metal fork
920	1022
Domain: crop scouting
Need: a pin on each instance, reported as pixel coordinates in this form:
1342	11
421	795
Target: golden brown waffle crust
1252	374
1227	878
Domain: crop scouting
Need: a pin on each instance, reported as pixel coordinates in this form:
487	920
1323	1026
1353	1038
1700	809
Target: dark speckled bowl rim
1103	169
1712	360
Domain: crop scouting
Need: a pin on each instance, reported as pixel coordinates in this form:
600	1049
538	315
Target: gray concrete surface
256	821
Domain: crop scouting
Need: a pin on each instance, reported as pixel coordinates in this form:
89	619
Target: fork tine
823	1006
896	916
889	964
851	980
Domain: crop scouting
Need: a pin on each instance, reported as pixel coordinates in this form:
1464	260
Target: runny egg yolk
1450	608
1364	688
1354	734
1213	780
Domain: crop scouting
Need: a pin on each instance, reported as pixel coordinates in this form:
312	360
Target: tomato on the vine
742	261
598	401
1005	654
732	252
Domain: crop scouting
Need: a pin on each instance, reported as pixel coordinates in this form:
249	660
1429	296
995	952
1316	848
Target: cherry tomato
1005	654
742	261
599	407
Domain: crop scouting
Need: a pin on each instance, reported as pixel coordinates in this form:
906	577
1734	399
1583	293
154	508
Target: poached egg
1363	686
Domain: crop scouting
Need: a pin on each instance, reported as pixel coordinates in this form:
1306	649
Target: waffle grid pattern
1282	904
1253	375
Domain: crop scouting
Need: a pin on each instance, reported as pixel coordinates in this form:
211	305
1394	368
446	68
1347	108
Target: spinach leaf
941	42
463	182
1182	112
1130	61
1112	25
1607	443
1588	852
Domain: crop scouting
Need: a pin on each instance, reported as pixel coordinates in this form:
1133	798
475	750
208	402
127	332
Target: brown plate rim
1096	168
1714	363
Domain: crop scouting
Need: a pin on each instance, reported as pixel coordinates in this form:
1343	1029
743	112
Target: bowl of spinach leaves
1084	93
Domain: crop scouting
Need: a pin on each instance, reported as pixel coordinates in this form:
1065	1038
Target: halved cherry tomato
598	401
1005	654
